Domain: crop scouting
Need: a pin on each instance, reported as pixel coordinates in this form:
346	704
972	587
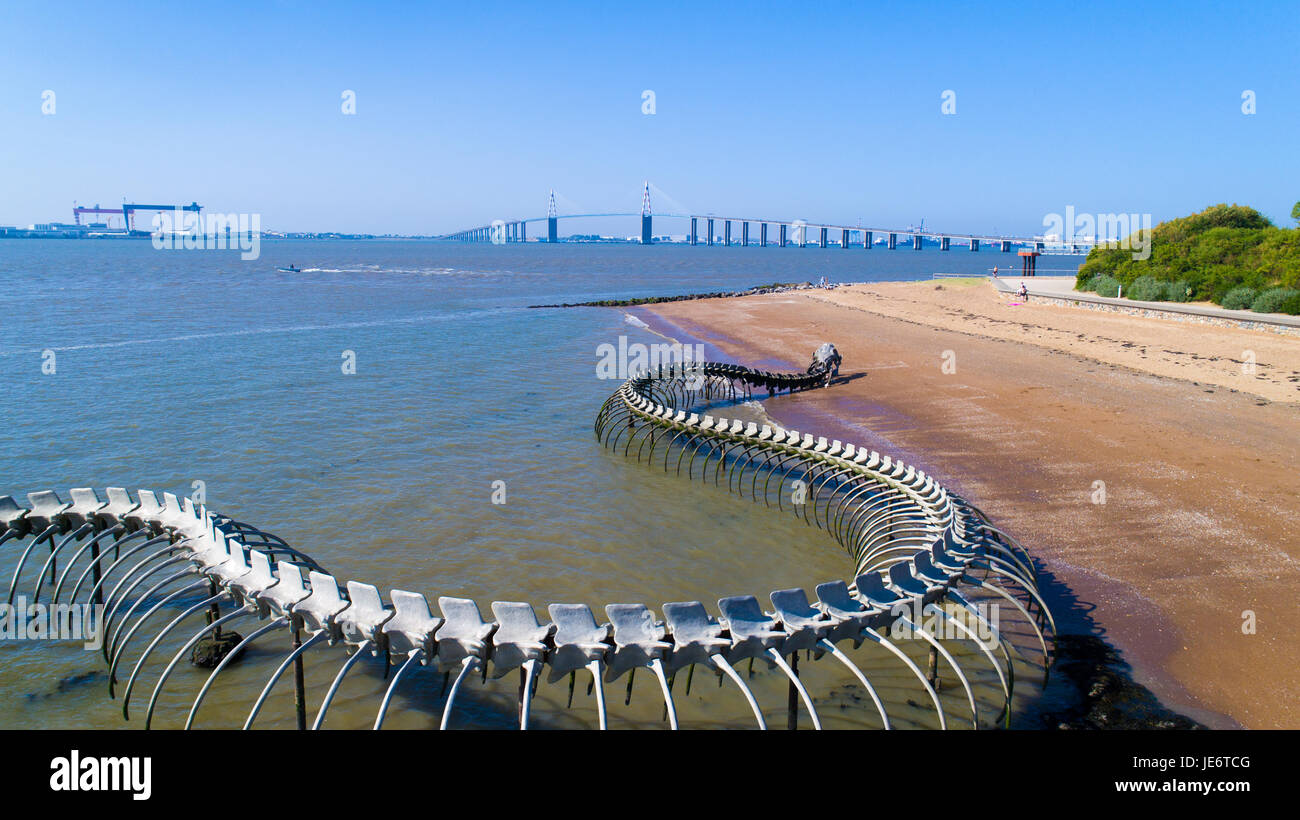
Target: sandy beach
1154	472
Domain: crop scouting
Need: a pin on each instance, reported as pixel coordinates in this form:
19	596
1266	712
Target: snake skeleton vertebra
919	554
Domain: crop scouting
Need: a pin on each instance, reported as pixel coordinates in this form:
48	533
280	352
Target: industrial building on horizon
100	229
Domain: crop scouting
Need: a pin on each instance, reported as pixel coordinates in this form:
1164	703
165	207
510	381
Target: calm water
185	366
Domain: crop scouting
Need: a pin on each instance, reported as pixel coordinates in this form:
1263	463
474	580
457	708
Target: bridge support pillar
694	225
866	239
762	234
916	242
803	236
1006	247
844	238
646	234
552	229
744	234
726	233
893	241
943	243
974	244
523	231
710	236
783	227
823	238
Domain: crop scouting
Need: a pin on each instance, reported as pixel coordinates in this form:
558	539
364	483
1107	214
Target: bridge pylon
646	237
552	222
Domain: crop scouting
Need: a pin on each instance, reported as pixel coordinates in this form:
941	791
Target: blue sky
816	111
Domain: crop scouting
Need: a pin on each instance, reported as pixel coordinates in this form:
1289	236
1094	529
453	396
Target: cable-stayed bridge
745	231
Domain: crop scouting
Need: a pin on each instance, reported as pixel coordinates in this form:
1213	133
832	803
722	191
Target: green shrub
1105	286
1180	291
1213	252
1290	305
1147	289
1238	298
1271	300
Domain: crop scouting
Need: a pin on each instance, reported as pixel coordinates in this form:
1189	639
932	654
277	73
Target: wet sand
1198	522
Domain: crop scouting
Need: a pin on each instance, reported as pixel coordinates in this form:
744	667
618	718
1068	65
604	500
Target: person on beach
1024	292
995	270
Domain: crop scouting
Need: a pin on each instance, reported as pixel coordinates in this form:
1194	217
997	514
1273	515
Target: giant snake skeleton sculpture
919	552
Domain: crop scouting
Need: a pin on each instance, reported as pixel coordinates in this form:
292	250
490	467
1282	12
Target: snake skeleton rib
917	550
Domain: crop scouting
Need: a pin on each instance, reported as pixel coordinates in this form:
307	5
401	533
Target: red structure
1027	259
77	212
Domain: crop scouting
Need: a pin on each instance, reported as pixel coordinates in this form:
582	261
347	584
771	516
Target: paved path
1062	287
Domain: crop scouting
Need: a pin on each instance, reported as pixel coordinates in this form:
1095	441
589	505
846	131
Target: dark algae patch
70	684
210	651
1107	697
778	287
